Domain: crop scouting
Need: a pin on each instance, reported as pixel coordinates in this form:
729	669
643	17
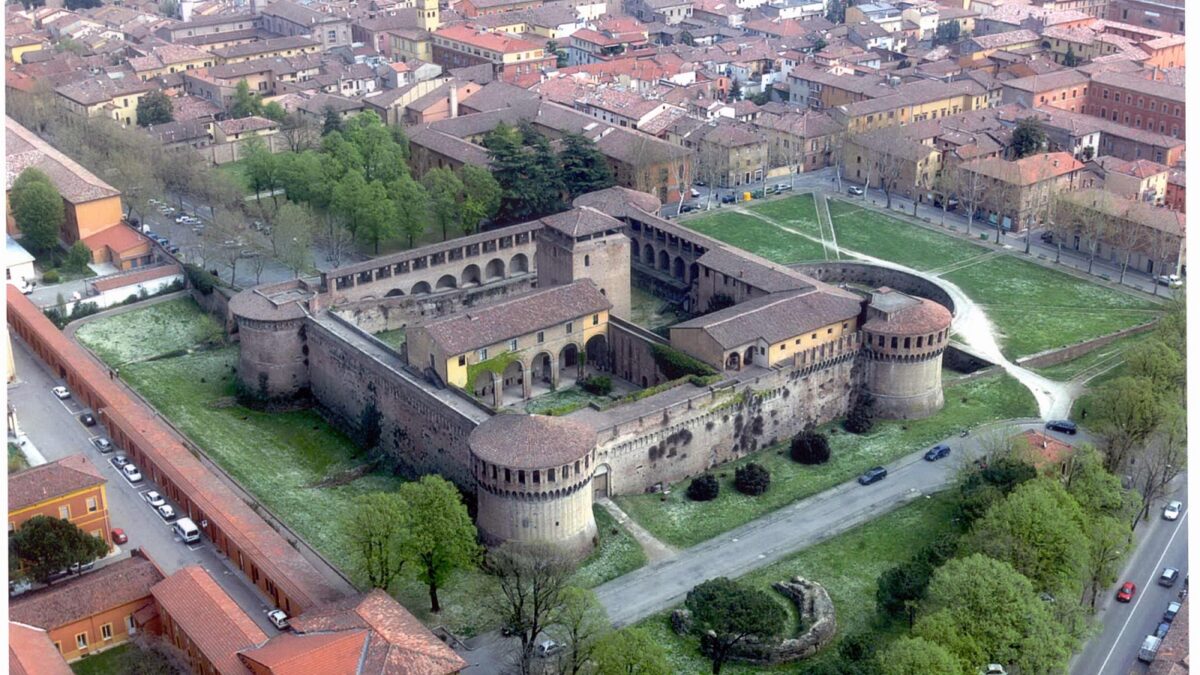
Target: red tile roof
326	653
209	617
120	238
1044	450
30	652
113	585
49	481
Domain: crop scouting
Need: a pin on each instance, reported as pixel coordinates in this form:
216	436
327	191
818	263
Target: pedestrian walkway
655	550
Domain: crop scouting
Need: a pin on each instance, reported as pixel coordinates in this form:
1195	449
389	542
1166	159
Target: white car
1171	510
61	393
153	498
131	473
278	618
166	512
1170	280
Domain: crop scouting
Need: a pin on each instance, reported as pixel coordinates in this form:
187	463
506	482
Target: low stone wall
958	358
817	617
379	314
1056	356
217	304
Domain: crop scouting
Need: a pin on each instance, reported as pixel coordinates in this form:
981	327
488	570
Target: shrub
78	257
675	364
752	479
861	418
810	447
51	277
600	385
704	488
200	279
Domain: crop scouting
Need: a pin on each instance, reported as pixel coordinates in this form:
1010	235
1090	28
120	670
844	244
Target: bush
675	364
704	488
51	277
200	279
78	257
810	447
861	418
600	385
752	479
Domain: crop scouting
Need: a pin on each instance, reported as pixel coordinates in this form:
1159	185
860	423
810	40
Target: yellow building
295	45
18	47
915	102
170	58
115	98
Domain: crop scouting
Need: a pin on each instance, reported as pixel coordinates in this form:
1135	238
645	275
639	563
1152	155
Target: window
570	327
587	261
81	641
512	345
462	360
844	325
595	319
814	336
482	354
521	476
829	331
895	343
541	336
331	35
91	504
64	511
106	631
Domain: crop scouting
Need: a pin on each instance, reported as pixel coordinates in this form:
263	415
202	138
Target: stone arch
519	264
648	255
602	480
597	352
664	261
693	271
679	269
471	276
395	292
513	382
748	359
421	288
568	364
542	369
733	361
494	269
447	281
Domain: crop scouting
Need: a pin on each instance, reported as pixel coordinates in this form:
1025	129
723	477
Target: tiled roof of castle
582	221
30	652
896	313
774	318
531	441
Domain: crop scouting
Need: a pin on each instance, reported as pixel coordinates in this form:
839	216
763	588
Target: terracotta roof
283	301
113	585
398	642
618	201
1137	82
1027	170
774	318
1044	450
208	616
581	221
497	42
1005	39
299	14
119	238
894	313
49	481
100	89
265	46
531	441
325	653
244	124
757	272
477	328
137	276
30	652
23	149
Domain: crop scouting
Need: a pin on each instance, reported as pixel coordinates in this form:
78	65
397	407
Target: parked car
153	498
166	512
1171	510
18	586
1048	237
1161	631
687	208
278	618
76	568
1170	280
1172	610
872	475
728	199
995	669
937	452
119	536
547	648
1168	577
61	393
102	444
855	190
119	460
695	193
131	473
87	419
783	187
1128	590
173	249
1063	426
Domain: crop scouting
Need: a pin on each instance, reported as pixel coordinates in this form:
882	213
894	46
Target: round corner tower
273	357
533	476
904	337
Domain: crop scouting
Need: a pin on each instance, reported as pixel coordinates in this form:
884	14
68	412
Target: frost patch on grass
148	332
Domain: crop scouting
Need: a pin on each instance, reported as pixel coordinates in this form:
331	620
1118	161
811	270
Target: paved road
53	427
1162	543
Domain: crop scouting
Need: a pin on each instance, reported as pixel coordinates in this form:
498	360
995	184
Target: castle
498	318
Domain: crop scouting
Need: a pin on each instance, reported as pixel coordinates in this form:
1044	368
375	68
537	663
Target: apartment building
511	57
1016	193
290	19
913	102
71	489
1137	101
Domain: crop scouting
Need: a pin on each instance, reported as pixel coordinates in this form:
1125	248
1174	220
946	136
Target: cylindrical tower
534	481
273	358
904	337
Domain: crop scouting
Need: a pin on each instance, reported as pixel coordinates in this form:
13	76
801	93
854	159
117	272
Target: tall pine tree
584	168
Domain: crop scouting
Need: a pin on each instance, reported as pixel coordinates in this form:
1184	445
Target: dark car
1048	237
872	475
1172	610
87	419
1063	426
1161	631
937	452
1168	577
728	199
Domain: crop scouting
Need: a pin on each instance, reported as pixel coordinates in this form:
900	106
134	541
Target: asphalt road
52	425
1162	543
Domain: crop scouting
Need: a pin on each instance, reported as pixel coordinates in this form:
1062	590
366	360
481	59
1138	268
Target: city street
53	426
1162	543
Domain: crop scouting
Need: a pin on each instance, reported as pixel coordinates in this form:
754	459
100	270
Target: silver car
1171	510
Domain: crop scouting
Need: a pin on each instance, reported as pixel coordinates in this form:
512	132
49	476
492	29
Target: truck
1149	648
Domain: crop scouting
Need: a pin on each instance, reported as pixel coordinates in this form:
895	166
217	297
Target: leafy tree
984	487
1070	59
582	622
379	157
302	176
733	612
412	207
445	199
365	207
261	167
274	112
78	257
332	123
835	11
245	102
899	588
947	33
377	528
442	538
30	4
48	545
819	45
531	580
703	488
861	418
1163	458
154	108
1029	137
292	233
630	651
1127	410
1098	492
527	170
918	656
752	479
482	194
810	447
37	207
1108	542
584	168
1159	362
560	54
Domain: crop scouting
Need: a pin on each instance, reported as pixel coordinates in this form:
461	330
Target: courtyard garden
393	338
652	312
679	521
757	236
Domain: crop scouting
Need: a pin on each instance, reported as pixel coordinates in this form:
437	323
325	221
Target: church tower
427	15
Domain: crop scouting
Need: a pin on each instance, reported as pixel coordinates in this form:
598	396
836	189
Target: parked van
1149	648
187	530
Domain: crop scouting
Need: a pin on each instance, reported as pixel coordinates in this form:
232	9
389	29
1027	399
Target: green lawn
1094	361
562	401
652	312
848	565
885	237
682	522
757	236
236	171
799	213
16	459
393	338
137	335
618	553
107	662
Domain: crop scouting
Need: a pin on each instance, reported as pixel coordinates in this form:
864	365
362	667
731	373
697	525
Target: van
1149	648
187	530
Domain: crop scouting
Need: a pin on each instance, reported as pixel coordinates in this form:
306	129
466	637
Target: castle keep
494	320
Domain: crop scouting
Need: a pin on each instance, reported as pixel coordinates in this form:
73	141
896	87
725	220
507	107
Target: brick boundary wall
1056	356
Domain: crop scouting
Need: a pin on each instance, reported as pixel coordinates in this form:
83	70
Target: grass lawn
683	523
53	260
562	401
1095	361
393	338
236	171
757	236
848	565
618	553
652	312
799	213
137	335
16	459
107	662
885	237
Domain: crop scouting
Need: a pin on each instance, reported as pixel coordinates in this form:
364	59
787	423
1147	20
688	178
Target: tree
351	200
735	90
972	190
1164	458
154	108
37	208
1127	411
527	170
947	33
861	418
378	527
78	257
810	447
1028	138
49	545
734	613
274	112
703	488
299	130
1070	59
530	581
560	54
630	651
442	539
584	168
918	656
332	121
262	168
819	45
887	157
835	11
379	157
412	207
445	199
752	479
245	102
1065	222
292	234
1108	543
302	176
226	240
582	623
900	588
482	197
1158	362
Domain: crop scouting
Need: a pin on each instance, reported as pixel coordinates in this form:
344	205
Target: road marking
1149	581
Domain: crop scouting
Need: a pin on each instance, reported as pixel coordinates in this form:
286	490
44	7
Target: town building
30	652
71	489
1150	238
1137	101
1016	193
104	97
511	58
287	18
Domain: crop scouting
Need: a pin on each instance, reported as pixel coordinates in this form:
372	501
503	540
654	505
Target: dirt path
655	550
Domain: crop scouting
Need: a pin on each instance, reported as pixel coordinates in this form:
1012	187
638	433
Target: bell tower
428	17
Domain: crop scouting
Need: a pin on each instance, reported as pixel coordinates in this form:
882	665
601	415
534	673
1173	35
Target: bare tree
581	624
1005	195
943	186
292	235
1161	246
1164	458
683	178
336	240
300	132
1127	237
972	188
1095	225
531	580
226	238
710	165
887	163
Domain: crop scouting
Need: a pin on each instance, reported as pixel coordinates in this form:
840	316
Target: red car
119	536
1126	592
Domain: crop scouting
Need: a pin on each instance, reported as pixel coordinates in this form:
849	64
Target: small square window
106	631
512	345
482	353
462	360
81	641
829	331
541	336
595	319
64	511
91	504
570	327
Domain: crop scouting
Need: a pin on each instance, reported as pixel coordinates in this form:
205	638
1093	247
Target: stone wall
960	358
273	358
632	357
377	315
875	276
1055	356
217	304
